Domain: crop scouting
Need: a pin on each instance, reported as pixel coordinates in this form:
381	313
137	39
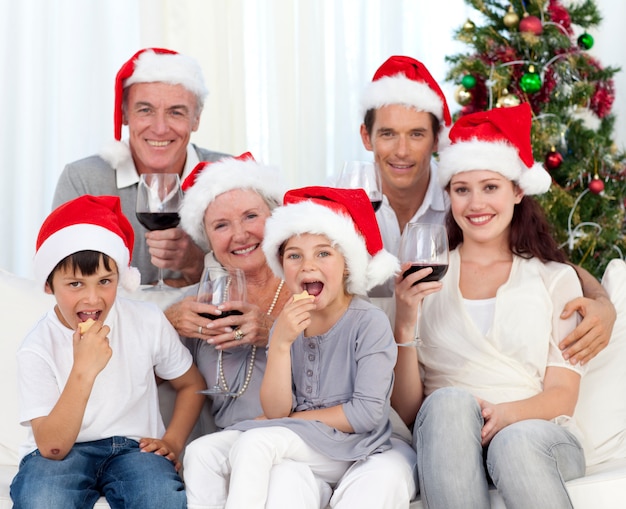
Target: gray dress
94	175
352	364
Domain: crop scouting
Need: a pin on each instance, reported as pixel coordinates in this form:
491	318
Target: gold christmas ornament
462	95
469	25
511	18
507	100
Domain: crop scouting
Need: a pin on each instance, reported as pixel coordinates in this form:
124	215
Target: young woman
499	395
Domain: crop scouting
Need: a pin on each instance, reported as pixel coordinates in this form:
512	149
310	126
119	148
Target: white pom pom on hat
347	218
210	179
87	223
497	140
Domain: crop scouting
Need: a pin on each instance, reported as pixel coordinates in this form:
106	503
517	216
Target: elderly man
159	95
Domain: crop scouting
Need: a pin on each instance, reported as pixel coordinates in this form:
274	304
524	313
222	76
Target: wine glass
364	175
424	245
219	285
158	198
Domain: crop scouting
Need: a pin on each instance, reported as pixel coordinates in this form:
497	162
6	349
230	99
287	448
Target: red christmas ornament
553	160
531	24
596	186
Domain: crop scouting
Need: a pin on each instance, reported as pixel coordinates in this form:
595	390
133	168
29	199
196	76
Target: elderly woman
224	210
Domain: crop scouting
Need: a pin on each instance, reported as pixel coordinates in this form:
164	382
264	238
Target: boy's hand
92	351
160	448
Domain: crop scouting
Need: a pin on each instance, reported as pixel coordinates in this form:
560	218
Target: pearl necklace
250	369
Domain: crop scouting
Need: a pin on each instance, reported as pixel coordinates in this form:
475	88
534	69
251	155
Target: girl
325	393
499	394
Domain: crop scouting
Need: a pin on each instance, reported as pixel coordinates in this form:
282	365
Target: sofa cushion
21	305
601	409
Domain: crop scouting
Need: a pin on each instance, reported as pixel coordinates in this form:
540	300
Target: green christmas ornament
468	81
531	81
585	41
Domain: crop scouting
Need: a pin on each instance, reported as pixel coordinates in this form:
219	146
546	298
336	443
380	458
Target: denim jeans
528	461
113	467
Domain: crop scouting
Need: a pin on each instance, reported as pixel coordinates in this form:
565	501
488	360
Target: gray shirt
352	364
96	176
227	411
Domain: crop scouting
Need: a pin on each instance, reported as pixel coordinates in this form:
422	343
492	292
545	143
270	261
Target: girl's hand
294	318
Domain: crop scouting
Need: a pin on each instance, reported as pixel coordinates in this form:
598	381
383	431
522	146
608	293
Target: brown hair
87	262
370	118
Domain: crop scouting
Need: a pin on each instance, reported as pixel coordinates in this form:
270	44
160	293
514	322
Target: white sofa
601	409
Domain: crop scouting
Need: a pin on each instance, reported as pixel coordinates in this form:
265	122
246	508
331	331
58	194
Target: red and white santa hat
210	179
347	218
496	140
87	223
151	65
404	80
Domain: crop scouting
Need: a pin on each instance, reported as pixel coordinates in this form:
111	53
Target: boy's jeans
113	467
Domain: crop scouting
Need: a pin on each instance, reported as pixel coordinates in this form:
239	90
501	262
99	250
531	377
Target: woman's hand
495	419
250	328
409	294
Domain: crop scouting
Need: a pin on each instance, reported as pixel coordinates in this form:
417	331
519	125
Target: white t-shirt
124	399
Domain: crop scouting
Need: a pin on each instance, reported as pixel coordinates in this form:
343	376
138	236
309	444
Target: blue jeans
528	461
113	467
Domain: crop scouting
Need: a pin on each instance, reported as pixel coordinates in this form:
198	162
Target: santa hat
496	140
404	80
347	218
210	179
87	223
152	65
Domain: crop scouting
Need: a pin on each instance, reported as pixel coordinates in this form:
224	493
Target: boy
86	374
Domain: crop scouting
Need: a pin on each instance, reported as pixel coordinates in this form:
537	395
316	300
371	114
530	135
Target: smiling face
235	224
311	263
482	204
80	297
403	142
160	119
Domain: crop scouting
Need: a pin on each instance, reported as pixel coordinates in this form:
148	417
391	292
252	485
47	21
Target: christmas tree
536	51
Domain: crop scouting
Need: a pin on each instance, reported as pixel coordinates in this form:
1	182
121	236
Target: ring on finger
199	329
238	335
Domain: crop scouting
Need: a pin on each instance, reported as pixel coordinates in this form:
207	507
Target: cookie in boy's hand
300	296
84	326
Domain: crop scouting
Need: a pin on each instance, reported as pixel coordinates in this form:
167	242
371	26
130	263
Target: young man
159	95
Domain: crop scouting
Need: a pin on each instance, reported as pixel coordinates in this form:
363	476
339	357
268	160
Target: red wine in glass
376	204
439	270
234	312
158	199
158	220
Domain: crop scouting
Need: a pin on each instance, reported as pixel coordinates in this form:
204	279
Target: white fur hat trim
499	157
220	177
175	69
399	89
365	272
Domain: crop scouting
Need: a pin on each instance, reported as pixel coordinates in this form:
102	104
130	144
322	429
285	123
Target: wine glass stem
217	369
160	283
417	322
